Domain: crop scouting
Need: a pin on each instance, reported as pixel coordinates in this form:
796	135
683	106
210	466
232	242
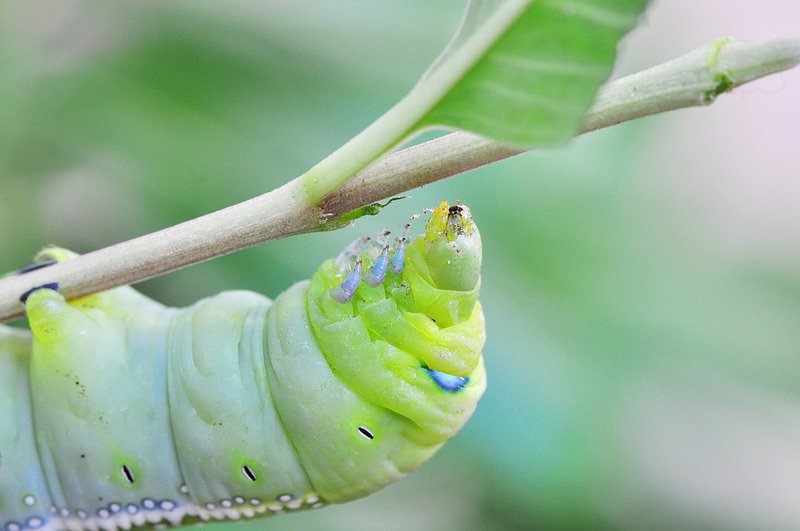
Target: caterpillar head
453	247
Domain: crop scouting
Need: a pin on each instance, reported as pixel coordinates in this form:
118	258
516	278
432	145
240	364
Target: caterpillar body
119	412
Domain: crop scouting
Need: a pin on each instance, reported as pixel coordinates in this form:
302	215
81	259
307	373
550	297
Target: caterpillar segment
121	412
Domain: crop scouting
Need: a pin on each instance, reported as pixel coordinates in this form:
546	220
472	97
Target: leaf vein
600	16
529	100
544	66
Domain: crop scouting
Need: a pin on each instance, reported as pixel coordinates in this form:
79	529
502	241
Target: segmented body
121	412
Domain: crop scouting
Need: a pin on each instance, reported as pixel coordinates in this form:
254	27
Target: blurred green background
641	285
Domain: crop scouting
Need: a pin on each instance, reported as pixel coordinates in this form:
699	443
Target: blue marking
448	382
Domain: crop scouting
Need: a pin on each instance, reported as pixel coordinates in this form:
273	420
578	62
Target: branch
694	79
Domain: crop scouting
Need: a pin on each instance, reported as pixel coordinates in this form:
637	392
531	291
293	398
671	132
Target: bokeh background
641	284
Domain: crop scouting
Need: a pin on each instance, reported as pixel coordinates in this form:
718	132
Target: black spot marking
50	285
36	265
365	432
83	456
248	472
127	473
455	209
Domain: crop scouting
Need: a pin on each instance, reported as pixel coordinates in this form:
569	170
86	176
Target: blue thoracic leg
398	258
352	257
377	273
350	254
344	292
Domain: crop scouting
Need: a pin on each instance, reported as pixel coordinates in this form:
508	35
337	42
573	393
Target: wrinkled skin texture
122	411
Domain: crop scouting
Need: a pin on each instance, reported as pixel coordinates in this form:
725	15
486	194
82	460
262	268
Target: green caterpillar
121	412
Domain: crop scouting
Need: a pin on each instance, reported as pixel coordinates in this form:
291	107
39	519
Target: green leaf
532	73
523	72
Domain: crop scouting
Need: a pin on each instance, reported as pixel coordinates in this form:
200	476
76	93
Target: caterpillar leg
45	258
49	315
